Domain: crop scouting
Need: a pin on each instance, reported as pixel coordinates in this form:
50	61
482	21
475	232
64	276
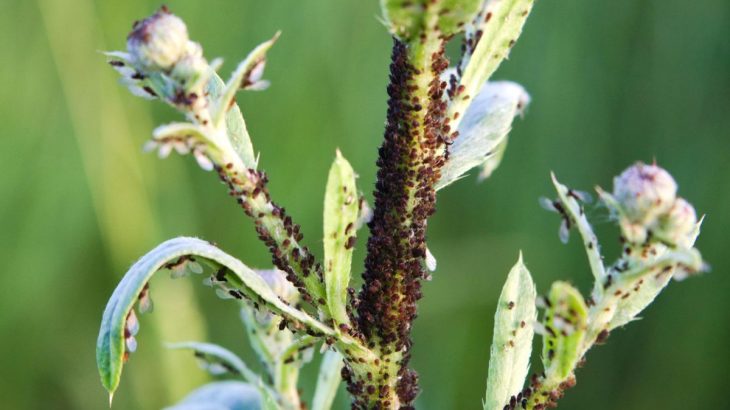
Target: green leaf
574	210
340	215
634	290
565	322
495	30
182	130
509	358
110	348
484	129
223	395
218	359
408	18
246	76
235	125
328	380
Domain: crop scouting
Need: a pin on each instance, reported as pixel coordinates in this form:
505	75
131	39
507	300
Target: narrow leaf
490	38
110	349
328	381
340	215
223	395
220	357
565	321
179	130
484	129
509	358
245	75
235	125
573	209
634	291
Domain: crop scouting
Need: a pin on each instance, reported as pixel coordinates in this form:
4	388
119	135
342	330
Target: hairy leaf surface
111	351
509	358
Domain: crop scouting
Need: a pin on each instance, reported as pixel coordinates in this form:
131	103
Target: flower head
158	42
677	226
644	192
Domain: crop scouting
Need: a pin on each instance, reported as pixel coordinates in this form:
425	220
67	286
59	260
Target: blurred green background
611	82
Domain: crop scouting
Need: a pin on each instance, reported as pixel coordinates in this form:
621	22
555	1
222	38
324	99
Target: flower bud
678	224
644	192
190	68
158	42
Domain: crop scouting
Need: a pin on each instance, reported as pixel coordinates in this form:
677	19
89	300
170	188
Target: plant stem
409	163
276	229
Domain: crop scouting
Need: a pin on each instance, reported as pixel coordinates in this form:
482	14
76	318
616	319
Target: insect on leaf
565	321
509	358
112	347
483	130
246	76
340	216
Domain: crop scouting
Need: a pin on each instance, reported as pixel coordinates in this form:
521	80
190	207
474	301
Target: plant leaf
328	380
235	125
220	356
340	215
574	210
638	290
494	30
245	75
223	395
565	323
110	348
181	130
483	130
509	358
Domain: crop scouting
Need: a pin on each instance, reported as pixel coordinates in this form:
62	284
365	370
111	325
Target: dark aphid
220	274
580	196
602	337
350	243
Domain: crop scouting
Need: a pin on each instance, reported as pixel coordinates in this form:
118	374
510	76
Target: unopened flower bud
190	68
644	192
678	224
158	42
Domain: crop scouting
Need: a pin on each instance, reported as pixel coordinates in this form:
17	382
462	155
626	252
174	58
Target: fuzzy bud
644	192
189	69
158	42
677	225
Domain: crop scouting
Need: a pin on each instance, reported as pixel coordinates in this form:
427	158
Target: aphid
350	243
557	206
132	324
283	324
580	196
131	344
145	301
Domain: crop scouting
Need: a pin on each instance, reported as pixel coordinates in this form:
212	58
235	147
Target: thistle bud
644	192
190	68
677	225
158	42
